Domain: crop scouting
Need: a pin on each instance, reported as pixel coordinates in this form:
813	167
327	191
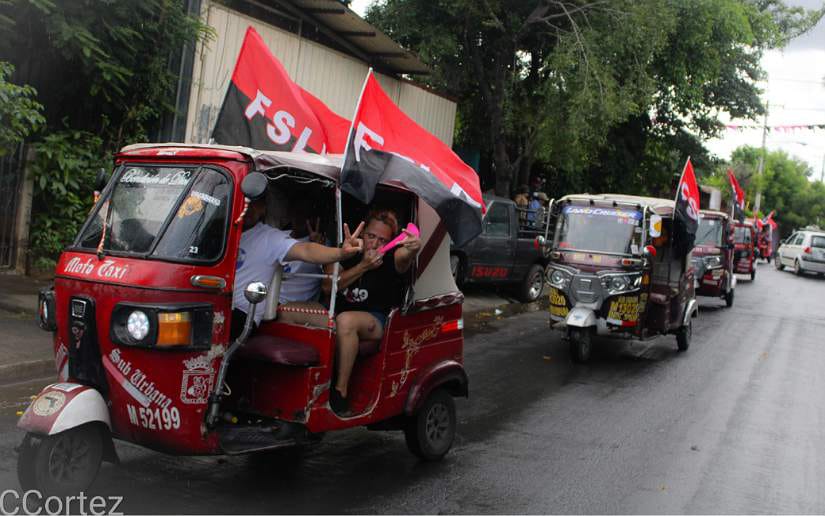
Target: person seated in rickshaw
299	296
262	247
368	289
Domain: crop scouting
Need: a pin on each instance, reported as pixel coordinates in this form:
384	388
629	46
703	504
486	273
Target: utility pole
758	200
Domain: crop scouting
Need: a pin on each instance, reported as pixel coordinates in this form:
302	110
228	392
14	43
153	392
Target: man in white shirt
262	247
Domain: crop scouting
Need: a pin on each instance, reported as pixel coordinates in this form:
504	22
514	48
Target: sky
795	90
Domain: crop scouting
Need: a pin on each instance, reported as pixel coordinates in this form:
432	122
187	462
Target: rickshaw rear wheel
431	431
62	464
729	298
753	274
684	335
581	344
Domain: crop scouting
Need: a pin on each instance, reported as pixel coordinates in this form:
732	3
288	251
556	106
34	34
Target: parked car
804	250
506	252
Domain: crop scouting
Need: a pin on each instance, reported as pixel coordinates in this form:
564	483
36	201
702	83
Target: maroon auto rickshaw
713	256
140	311
744	254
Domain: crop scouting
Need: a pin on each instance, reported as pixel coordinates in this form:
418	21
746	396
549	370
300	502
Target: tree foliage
20	113
594	94
103	73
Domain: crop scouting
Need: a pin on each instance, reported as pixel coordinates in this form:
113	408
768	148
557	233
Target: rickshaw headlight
713	262
557	278
138	325
618	283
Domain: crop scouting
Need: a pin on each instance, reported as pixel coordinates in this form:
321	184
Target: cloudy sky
795	89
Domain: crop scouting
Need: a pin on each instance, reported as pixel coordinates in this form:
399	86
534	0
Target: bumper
809	266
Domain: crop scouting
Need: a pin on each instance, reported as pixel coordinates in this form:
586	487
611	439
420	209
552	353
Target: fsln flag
386	145
738	200
769	220
687	199
264	109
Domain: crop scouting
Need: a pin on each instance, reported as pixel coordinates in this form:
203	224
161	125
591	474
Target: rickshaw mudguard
62	406
692	310
581	317
449	373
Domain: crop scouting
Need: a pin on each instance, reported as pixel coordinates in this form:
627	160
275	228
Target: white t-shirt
262	248
300	288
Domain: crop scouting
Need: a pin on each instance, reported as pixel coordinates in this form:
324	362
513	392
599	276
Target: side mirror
649	251
255	292
254	185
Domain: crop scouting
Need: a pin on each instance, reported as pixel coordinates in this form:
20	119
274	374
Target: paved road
735	425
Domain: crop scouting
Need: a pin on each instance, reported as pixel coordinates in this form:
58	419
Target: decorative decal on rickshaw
108	269
145	177
47	404
136	383
624	310
197	380
558	304
412	345
218	322
190	206
61	362
489	272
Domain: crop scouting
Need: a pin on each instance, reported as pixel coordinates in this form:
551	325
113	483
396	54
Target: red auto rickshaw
713	256
140	312
744	240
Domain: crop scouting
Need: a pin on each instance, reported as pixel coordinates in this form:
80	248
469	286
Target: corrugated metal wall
333	77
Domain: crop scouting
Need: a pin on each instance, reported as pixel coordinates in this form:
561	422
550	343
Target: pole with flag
687	201
738	198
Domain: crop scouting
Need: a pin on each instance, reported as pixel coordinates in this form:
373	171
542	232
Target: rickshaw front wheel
753	274
430	432
684	335
62	464
729	298
581	344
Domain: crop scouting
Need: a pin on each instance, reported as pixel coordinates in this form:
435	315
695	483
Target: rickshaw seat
280	350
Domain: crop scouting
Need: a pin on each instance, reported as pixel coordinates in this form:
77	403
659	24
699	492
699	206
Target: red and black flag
386	145
769	220
265	109
687	200
738	200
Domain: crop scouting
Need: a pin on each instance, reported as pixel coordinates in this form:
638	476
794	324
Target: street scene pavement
734	425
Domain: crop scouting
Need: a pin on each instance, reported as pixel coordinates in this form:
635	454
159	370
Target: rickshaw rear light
174	329
451	326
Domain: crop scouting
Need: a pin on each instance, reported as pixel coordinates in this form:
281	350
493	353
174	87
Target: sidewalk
26	351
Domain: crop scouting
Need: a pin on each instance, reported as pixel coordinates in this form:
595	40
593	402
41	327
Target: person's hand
315	234
372	259
411	243
352	244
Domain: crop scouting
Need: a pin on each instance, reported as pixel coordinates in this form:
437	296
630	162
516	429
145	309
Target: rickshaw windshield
742	235
607	230
709	232
176	213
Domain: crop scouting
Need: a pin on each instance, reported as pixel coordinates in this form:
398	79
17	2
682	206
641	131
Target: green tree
20	113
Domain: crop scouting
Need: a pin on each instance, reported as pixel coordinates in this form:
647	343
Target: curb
29	370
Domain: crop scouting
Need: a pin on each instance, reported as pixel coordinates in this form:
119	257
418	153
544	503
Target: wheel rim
535	286
437	425
796	266
69	459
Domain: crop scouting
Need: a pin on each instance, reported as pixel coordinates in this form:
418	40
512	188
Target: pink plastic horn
411	228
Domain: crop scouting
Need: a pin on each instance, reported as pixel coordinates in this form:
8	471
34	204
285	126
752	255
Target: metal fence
11	177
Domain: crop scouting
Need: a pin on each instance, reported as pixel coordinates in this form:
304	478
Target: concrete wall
333	77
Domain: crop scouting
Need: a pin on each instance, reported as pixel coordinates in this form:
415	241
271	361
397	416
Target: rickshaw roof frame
714	214
662	207
327	166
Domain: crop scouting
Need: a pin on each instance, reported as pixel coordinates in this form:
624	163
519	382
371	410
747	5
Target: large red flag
265	109
738	197
687	199
385	144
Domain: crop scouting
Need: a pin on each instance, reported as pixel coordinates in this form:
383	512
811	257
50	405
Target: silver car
804	251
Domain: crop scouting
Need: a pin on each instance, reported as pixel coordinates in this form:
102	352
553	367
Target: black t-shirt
378	290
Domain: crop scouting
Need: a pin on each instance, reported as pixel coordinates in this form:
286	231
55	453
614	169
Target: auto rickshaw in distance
744	255
140	313
619	267
713	256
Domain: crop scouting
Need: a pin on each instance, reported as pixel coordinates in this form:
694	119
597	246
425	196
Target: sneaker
338	403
